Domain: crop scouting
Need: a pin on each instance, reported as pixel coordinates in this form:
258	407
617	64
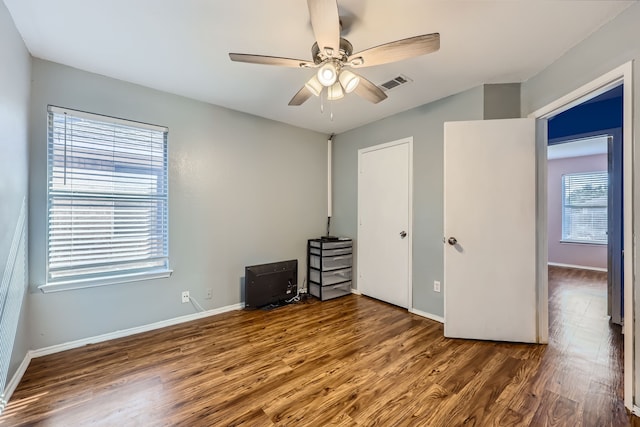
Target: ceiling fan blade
270	60
396	51
326	24
300	97
370	91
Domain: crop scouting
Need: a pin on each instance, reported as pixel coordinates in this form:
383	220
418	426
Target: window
107	195
584	207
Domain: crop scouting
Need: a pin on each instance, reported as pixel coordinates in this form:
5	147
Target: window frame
101	279
564	205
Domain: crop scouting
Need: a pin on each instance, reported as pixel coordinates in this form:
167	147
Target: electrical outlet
436	286
209	293
185	296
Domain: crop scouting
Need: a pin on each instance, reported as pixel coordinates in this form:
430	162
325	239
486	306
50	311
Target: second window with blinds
107	195
584	207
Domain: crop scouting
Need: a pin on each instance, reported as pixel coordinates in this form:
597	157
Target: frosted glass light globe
327	74
349	80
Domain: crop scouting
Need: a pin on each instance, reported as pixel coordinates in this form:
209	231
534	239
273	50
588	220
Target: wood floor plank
423	404
468	403
334	394
600	409
455	373
351	362
480	400
555	410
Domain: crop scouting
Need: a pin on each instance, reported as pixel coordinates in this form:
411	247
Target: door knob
452	241
403	234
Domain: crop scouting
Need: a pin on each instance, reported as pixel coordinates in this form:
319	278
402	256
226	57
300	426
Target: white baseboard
32	354
15	380
132	331
581	267
636	411
413	310
427	315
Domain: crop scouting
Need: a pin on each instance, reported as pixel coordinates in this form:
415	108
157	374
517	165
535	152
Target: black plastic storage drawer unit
329	265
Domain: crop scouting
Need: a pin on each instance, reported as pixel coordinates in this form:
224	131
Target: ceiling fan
333	56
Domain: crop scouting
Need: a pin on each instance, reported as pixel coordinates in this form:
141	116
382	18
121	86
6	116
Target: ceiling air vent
395	82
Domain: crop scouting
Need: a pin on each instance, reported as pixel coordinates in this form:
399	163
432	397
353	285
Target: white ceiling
182	47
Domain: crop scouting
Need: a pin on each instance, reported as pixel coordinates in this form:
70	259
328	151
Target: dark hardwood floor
352	361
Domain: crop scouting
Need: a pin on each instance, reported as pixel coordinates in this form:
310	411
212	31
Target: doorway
614	78
585	166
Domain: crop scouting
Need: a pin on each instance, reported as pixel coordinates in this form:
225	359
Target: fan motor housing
346	49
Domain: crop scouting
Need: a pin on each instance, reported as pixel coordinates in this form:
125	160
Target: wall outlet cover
185	296
436	286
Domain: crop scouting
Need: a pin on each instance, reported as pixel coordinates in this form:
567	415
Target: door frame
409	142
623	74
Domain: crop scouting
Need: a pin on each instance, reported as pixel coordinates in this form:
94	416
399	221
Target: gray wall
243	190
14	108
613	45
426	125
502	101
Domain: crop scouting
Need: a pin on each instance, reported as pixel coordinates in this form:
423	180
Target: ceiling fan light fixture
327	74
335	92
314	86
349	80
331	54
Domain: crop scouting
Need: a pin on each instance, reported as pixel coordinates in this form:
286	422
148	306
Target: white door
490	261
384	222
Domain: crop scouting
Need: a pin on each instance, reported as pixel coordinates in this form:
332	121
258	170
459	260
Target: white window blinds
107	199
584	207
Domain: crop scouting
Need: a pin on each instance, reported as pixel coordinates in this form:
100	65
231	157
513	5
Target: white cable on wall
329	183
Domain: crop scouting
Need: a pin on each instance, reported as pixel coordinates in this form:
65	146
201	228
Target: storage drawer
336	252
330	244
337	244
330	277
330	263
329	292
315	251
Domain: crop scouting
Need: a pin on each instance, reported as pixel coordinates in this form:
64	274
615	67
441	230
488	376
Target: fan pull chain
331	111
322	102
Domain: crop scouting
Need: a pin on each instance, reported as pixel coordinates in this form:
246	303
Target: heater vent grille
395	82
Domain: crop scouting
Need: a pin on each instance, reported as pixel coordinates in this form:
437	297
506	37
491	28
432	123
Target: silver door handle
452	241
403	234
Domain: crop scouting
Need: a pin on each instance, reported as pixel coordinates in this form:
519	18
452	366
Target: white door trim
542	241
624	74
409	141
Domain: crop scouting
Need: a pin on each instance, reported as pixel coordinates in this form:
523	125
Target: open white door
490	253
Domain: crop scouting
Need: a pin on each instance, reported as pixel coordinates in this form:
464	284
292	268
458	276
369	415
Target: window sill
583	242
103	281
